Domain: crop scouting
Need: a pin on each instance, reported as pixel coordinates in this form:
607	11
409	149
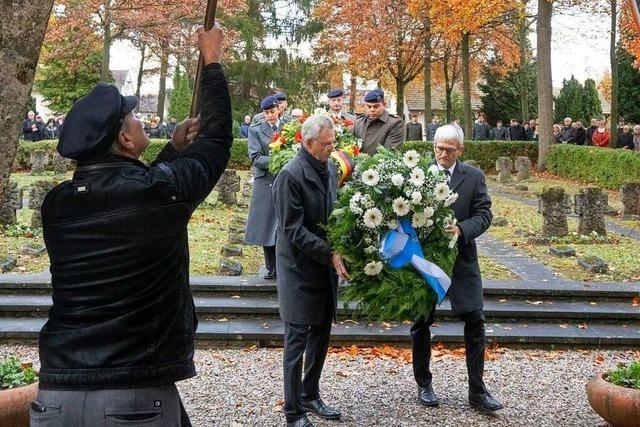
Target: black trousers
474	344
312	342
269	257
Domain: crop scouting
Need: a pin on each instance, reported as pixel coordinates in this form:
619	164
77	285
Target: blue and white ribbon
401	246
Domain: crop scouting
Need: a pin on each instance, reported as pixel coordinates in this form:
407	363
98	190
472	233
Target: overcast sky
580	46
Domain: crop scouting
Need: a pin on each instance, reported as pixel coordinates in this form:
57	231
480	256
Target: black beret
268	103
280	96
335	93
94	121
375	95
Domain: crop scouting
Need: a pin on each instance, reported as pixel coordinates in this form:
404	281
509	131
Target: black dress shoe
302	422
427	397
484	402
318	408
271	274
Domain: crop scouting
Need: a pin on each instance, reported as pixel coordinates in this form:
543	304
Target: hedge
484	153
605	167
239	157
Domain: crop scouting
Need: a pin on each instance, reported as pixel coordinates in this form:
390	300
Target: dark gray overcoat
473	212
261	222
307	282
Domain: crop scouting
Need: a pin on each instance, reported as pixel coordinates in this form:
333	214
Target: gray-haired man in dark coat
473	213
304	193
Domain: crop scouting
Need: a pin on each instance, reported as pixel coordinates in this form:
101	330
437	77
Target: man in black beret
377	126
121	328
336	108
284	114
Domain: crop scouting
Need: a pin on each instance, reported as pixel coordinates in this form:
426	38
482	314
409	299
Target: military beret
280	96
268	103
335	93
375	95
93	122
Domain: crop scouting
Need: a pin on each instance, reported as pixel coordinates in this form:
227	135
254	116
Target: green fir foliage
629	82
591	102
180	99
570	101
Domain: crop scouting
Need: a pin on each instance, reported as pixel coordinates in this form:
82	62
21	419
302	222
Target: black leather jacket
123	314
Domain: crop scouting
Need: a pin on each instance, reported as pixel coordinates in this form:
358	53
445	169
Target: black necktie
447	172
275	128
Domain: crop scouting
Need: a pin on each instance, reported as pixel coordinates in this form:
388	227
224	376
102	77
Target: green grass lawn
619	252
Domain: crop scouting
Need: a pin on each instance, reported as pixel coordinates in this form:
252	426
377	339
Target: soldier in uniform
335	106
377	126
261	223
284	113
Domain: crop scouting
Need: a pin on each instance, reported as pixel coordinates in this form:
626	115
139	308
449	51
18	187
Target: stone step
40	284
213	333
494	308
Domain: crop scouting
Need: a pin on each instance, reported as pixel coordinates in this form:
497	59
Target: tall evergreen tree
570	101
180	99
502	100
591	101
629	80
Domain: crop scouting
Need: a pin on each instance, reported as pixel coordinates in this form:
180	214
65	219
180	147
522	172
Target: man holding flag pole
473	214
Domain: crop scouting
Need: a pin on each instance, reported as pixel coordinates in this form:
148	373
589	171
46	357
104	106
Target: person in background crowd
414	129
636	137
155	129
621	123
284	113
567	133
625	138
336	107
590	131
51	130
378	127
481	130
556	132
516	131
581	133
500	133
170	128
60	122
296	113
432	127
531	134
30	130
456	124
244	127
601	136
41	125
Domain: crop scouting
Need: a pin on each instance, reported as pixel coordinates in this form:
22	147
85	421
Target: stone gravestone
472	162
247	189
630	196
504	165
523	165
12	202
228	187
591	204
38	160
60	165
554	204
38	190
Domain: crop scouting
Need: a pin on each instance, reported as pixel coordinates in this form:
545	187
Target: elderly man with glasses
473	213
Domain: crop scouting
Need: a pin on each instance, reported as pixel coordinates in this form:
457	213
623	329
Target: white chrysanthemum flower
411	158
416	197
372	217
428	212
392	224
370	177
429	223
373	268
451	199
418	220
433	170
401	206
441	192
397	179
370	249
417	177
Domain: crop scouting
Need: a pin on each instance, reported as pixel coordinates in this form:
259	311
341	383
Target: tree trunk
466	85
524	61
352	92
23	25
427	73
105	76
545	91
162	90
448	86
400	85
141	72
614	76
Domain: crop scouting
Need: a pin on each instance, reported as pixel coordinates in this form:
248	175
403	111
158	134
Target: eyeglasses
441	150
326	146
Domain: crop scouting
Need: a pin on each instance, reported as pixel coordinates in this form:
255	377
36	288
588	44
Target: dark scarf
321	168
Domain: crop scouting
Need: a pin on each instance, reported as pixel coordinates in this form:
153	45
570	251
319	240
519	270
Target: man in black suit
473	213
516	131
481	130
304	193
414	129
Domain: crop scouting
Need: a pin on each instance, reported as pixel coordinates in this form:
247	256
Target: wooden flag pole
209	20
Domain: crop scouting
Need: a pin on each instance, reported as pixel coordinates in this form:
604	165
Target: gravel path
237	387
